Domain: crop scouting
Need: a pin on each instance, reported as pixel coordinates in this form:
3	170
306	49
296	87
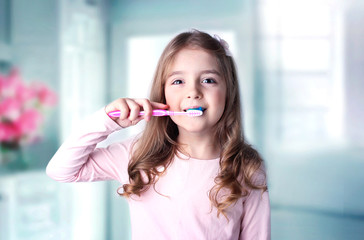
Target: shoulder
249	153
253	167
260	176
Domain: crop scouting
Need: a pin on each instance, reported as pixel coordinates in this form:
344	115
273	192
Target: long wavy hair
239	162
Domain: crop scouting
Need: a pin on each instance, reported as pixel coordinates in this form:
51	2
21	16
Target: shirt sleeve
256	216
78	159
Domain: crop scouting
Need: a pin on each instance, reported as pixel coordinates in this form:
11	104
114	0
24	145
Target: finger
147	107
134	109
134	122
157	105
122	106
129	123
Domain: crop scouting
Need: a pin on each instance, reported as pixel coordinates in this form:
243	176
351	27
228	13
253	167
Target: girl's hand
129	110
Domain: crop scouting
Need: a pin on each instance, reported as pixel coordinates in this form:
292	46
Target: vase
12	158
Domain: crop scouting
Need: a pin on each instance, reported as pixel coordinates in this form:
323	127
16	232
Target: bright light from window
300	43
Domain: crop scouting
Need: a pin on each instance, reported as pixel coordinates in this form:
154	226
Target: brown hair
239	162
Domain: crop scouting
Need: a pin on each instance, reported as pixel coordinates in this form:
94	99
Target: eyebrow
210	71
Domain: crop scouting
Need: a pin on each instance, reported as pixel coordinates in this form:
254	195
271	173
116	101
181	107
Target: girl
184	177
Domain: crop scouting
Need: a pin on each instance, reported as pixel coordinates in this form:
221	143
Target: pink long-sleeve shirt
178	207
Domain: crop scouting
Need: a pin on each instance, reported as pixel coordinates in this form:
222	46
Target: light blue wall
122	10
34	48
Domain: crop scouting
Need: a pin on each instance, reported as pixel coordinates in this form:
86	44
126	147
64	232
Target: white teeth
198	108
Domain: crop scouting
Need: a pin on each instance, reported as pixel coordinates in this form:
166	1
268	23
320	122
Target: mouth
195	108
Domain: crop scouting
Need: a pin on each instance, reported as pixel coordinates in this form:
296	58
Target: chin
193	129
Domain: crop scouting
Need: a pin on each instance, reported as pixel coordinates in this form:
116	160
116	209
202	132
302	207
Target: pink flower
24	93
10	108
28	122
3	80
45	95
9	84
21	106
8	132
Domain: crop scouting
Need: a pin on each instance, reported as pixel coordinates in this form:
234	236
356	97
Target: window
300	45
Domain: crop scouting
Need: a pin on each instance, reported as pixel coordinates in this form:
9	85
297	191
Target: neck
199	146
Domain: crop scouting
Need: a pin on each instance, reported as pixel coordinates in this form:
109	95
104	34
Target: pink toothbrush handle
162	112
156	112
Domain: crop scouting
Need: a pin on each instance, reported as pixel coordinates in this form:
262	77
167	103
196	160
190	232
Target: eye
177	82
208	80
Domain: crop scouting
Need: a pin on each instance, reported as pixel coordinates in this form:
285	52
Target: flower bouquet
22	110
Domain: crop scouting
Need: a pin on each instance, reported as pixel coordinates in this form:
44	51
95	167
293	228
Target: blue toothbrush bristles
199	108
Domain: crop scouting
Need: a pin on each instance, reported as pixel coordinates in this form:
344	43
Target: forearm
78	151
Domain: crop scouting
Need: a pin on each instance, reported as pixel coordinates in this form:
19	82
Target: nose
194	92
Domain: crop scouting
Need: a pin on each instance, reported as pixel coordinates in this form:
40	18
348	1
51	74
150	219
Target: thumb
157	105
127	123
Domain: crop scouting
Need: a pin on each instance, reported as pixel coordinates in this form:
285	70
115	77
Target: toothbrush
194	112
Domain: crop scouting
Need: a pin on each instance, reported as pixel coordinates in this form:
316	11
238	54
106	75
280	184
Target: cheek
220	97
168	94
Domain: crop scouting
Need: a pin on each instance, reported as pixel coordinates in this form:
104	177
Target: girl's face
194	80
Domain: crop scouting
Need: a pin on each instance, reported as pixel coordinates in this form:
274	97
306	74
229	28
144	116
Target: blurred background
301	76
